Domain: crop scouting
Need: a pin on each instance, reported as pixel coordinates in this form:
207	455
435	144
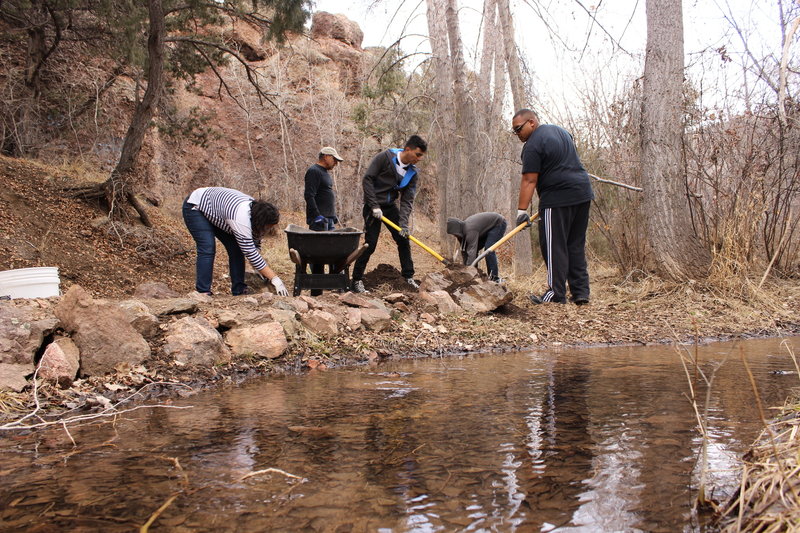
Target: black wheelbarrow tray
337	249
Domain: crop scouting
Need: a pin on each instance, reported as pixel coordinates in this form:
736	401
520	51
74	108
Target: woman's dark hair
415	141
262	214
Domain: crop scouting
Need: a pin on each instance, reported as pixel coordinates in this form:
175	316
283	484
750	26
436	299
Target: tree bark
678	252
523	253
120	187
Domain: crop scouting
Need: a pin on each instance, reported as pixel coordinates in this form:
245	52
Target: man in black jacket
318	192
391	176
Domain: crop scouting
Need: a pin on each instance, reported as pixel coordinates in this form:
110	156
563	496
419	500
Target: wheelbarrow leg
298	270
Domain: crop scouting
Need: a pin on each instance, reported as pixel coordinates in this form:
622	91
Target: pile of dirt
385	278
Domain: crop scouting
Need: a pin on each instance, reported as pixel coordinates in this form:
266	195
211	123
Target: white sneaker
358	286
412	283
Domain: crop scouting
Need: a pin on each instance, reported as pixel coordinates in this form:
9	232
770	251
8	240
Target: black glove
522	217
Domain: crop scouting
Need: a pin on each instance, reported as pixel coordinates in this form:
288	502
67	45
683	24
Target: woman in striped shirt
239	222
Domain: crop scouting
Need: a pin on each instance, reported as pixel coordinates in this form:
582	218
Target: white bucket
38	282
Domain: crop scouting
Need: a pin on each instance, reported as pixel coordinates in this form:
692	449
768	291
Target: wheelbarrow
337	249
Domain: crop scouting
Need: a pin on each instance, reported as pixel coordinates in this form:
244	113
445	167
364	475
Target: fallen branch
267	471
617	183
107	412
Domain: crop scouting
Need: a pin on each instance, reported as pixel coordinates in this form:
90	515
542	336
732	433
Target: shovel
415	241
510	234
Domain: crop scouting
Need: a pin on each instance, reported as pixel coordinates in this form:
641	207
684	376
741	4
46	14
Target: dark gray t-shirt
550	151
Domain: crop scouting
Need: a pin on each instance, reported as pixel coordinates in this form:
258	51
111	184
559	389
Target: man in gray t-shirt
551	167
476	233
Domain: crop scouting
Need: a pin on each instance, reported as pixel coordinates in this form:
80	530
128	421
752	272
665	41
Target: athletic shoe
541	300
358	286
499	281
412	283
580	301
536	299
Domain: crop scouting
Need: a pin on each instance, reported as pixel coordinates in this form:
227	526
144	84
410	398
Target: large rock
288	320
260	340
337	27
140	317
442	300
171	306
357	300
60	362
434	281
156	290
21	335
483	297
193	341
12	376
320	322
376	319
102	332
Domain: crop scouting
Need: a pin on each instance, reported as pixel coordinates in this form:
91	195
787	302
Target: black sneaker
580	301
358	286
536	299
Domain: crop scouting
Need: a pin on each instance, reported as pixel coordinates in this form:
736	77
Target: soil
42	225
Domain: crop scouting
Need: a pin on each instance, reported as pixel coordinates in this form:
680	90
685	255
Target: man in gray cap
478	232
319	195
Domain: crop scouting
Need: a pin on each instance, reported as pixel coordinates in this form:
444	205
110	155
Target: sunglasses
518	129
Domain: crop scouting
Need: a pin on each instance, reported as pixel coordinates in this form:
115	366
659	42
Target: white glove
377	213
280	288
523	216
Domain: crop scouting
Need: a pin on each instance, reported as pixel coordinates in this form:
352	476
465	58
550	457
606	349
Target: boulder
483	297
320	322
395	297
339	27
376	319
357	300
462	275
288	320
102	332
442	300
140	317
156	290
171	306
200	297
194	341
434	281
12	376
22	331
261	340
60	362
353	318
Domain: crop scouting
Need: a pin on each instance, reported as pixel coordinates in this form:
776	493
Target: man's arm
368	181
471	248
310	192
526	189
407	195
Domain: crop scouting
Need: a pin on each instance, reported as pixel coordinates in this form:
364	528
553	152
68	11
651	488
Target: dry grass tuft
769	497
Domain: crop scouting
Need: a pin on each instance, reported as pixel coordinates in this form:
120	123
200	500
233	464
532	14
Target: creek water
591	439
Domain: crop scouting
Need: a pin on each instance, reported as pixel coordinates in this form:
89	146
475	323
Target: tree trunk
119	187
678	251
523	253
442	128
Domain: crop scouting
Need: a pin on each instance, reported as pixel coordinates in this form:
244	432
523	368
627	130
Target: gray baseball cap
330	150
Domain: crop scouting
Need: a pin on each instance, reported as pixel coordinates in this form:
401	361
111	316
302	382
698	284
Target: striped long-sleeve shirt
229	210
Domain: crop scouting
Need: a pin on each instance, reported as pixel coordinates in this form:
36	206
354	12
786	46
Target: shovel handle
508	235
414	240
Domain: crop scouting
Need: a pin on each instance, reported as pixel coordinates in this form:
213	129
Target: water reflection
577	440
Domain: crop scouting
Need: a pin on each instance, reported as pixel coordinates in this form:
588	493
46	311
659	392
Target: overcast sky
567	51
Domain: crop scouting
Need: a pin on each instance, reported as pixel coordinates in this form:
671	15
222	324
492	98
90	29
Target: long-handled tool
510	234
415	241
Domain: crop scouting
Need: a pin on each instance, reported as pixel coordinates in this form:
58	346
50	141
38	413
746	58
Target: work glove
404	233
280	288
523	216
377	213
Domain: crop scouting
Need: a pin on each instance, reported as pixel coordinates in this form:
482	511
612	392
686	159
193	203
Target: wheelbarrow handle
415	241
510	234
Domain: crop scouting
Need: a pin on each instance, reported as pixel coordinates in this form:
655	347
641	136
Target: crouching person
476	233
238	221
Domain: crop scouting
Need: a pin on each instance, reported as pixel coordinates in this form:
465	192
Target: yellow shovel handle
510	234
414	240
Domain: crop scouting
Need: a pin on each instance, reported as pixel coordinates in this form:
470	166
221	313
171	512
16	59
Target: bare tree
678	251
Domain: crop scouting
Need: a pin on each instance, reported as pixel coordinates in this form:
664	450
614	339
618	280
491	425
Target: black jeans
486	241
562	239
372	230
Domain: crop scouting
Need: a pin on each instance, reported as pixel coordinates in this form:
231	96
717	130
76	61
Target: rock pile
77	335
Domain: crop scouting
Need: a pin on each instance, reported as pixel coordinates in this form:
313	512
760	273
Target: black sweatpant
562	238
372	230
